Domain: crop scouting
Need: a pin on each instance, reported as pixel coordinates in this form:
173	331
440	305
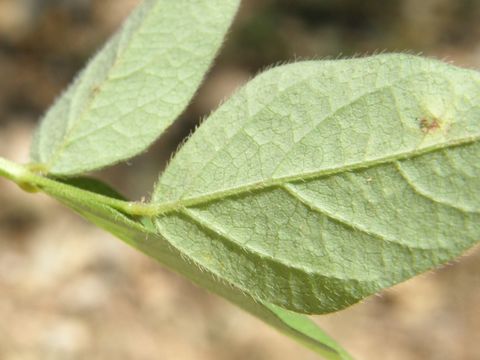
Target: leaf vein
170	206
209	226
411	183
298	195
119	37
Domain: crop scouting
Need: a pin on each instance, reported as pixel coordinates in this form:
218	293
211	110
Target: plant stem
31	181
11	170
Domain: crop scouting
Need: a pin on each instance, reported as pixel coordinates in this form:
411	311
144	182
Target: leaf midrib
332	113
118	56
164	208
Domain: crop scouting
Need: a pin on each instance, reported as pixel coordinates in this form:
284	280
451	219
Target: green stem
31	181
11	170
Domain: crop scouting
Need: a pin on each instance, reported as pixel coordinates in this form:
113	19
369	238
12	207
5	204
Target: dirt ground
71	291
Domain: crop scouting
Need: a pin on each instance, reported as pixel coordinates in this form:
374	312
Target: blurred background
71	291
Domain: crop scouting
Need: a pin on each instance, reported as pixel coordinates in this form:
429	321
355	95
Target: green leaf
92	185
135	87
320	183
297	326
144	238
307	332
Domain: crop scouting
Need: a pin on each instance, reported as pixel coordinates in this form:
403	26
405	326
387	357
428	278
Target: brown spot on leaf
429	125
95	90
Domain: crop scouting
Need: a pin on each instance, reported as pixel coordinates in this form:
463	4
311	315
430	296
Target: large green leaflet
135	87
320	183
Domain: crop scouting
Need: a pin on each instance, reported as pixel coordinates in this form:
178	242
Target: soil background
71	291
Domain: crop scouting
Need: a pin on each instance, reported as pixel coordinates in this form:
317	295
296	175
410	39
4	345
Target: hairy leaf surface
134	232
135	87
320	183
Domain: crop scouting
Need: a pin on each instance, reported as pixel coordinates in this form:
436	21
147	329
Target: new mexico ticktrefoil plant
316	185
